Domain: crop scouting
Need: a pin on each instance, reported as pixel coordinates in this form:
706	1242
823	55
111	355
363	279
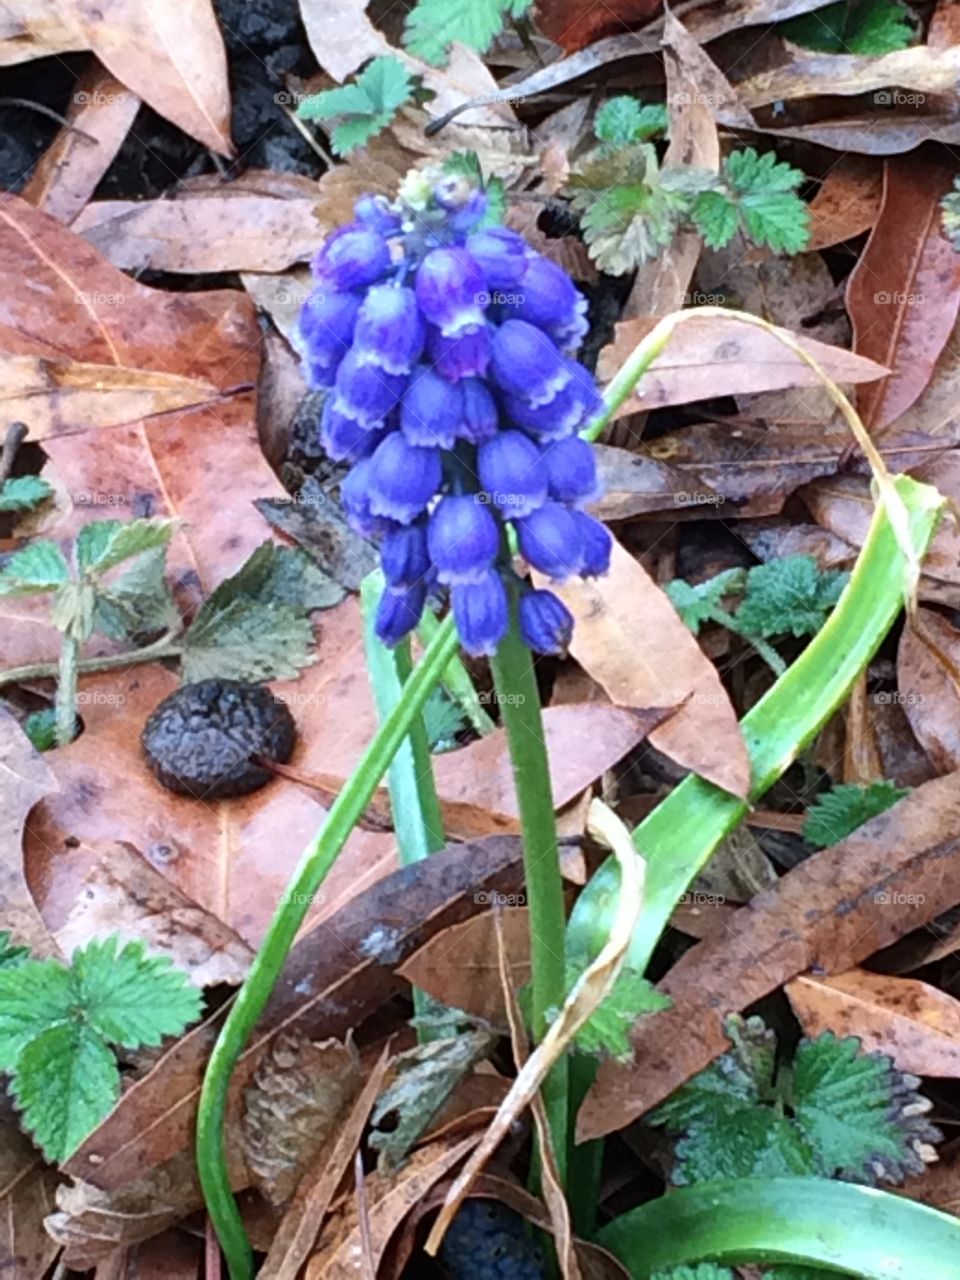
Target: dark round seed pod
201	740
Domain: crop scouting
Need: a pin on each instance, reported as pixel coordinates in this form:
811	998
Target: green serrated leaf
23	493
791	596
862	1118
764	192
363	108
950	206
39	567
624	119
736	1081
716	218
10	953
443	721
34	995
698	603
139	601
66	1082
74	605
433	25
870	28
247	641
755	1142
423	1081
102	544
130	997
699	1271
607	1032
41	728
838	812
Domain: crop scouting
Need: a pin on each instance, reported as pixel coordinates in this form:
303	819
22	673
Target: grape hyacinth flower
446	346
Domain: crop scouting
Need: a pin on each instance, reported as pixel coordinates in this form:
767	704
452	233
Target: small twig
16	434
309	138
53	115
367	1258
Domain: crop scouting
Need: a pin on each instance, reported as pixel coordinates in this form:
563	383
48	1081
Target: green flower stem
519	701
815	1222
679	836
314	864
622	385
66	703
457	681
165	647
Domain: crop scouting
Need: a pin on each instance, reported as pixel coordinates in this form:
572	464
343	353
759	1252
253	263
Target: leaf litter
725	470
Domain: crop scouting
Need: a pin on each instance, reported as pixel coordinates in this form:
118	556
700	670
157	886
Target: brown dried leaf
848	202
904	293
27	1189
170	53
711	356
915	1024
125	895
807	73
460	966
335	977
35	29
894	874
68	172
928	681
630	639
205	233
298	1092
25	778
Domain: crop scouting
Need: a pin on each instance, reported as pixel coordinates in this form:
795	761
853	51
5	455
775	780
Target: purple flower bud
500	254
344	438
403	556
480	417
376	213
464	201
546	624
550	300
571	470
597	544
355	498
463	538
432	410
389	333
364	392
451	291
324	333
465	356
402	478
352	257
399	612
550	541
512	472
482	613
526	363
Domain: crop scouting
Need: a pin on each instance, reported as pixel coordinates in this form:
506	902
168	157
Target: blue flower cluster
447	346
488	1241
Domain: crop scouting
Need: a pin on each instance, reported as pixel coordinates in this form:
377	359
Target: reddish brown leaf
904	293
25	778
928	679
712	356
170	52
336	976
848	202
630	639
915	1024
573	24
893	875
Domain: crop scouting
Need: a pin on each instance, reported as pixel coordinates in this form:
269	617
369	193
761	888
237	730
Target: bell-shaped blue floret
344	438
324	333
432	410
364	392
355	499
482	613
597	545
480	416
463	538
399	612
465	356
546	624
389	332
377	214
404	557
451	291
352	258
512	472
571	470
550	541
526	363
402	478
501	254
550	300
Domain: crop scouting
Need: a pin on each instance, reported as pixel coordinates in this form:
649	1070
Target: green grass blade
835	1226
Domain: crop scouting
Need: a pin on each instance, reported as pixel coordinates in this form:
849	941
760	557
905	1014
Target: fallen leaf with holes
915	1024
928	684
903	295
335	977
893	875
711	356
630	639
125	895
25	778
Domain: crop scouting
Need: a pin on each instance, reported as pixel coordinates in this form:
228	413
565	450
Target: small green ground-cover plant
60	1024
870	28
